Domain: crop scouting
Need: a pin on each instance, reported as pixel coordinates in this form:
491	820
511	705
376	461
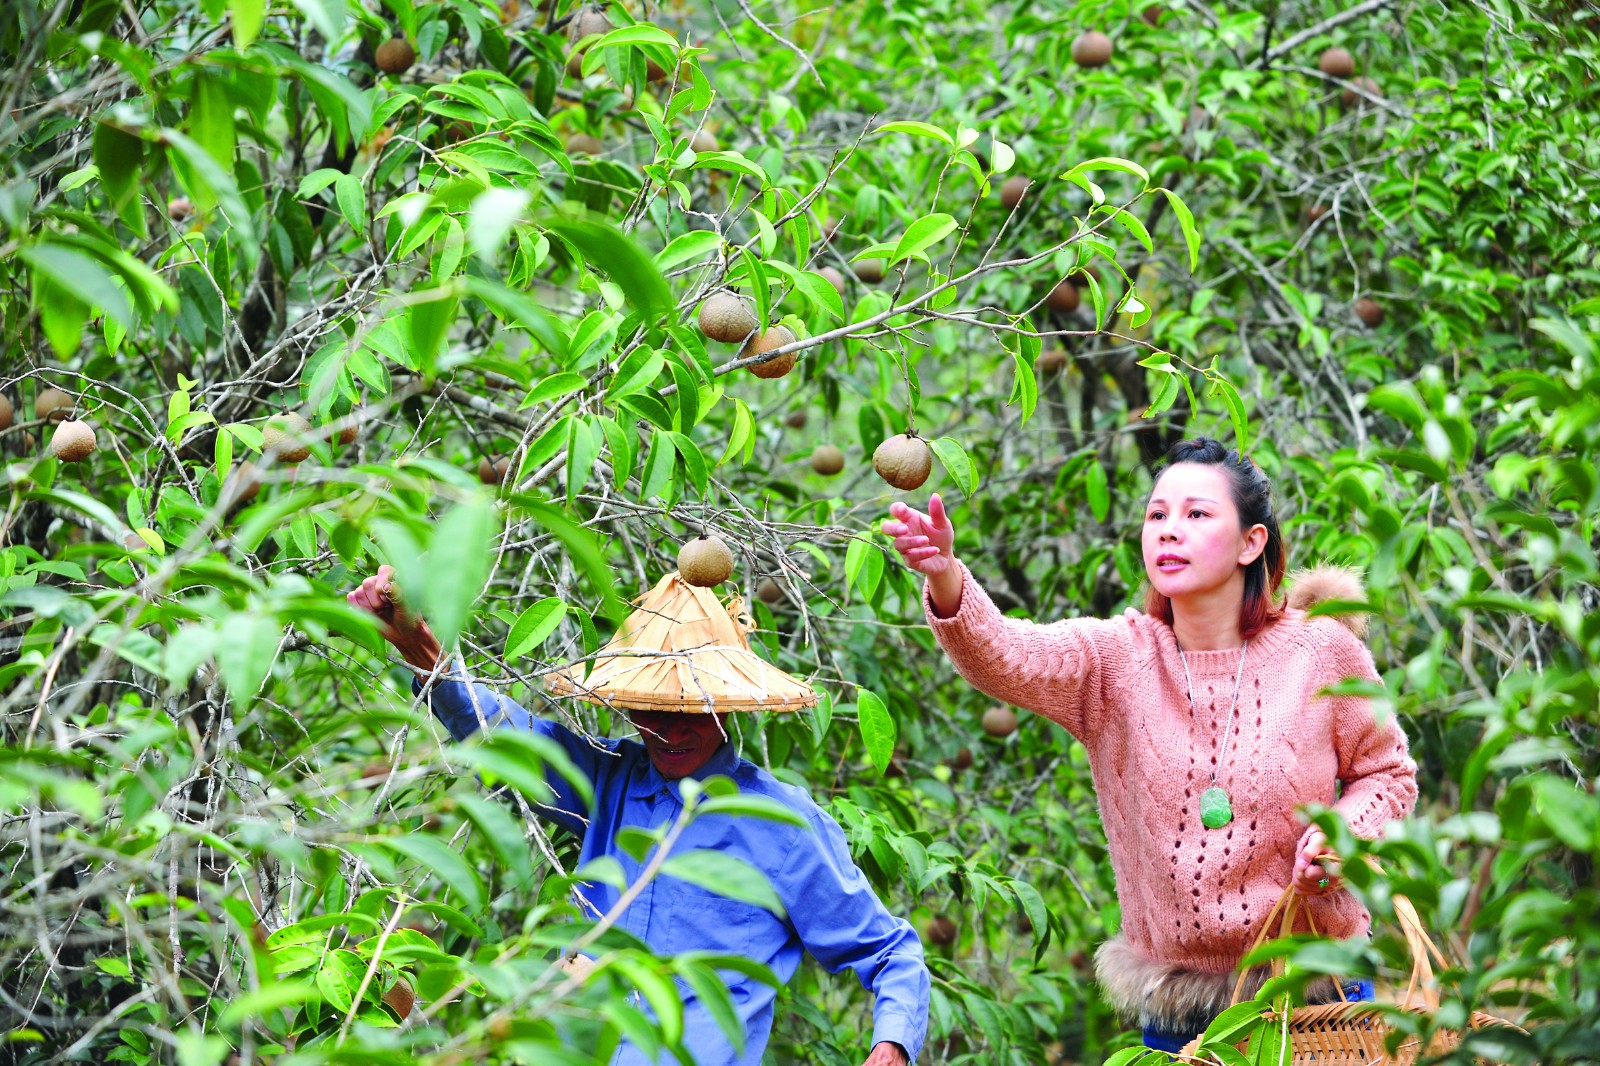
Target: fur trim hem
1319	584
1174	999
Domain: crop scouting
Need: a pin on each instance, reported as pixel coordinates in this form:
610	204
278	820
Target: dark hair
1252	496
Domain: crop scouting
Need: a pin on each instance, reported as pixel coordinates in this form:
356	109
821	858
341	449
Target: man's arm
842	923
462	706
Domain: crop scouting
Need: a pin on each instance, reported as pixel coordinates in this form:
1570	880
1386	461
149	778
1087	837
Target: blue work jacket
832	911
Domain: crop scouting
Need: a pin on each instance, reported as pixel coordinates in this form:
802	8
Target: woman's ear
1255	542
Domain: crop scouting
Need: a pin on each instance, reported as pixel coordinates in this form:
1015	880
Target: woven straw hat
683	650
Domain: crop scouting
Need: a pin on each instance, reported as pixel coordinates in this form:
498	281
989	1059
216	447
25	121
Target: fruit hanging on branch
1369	311
1014	189
1337	63
705	561
493	471
870	271
287	438
1091	49
400	999
904	461
395	56
795	419
835	278
72	442
769	591
586	23
703	141
52	405
1063	298
769	340
1352	98
724	317
999	721
584	144
1051	360
7	412
940	931
827	460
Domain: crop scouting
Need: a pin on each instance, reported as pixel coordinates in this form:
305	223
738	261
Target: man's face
678	743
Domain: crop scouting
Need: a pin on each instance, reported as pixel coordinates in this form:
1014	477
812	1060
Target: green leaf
604	247
248	16
1094	484
1167	384
877	728
428	321
265	1001
534	626
494	213
246	644
504	833
919	129
750	805
552	387
1025	386
1131	223
211	117
459	555
444	863
713	995
1236	415
328	16
213	184
694	462
583	548
687	247
352	202
640	33
1191	232
726	875
81	275
1127	166
956	463
922	234
119	155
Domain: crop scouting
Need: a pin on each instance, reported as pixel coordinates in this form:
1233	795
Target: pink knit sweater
1191	896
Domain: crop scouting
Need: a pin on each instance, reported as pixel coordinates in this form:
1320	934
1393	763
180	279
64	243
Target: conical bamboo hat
683	650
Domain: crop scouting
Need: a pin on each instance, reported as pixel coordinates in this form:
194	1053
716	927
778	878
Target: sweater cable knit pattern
1191	896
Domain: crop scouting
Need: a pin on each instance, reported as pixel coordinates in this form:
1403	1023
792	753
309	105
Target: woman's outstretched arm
1064	670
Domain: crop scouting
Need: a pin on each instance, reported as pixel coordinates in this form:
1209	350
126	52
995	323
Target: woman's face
1192	542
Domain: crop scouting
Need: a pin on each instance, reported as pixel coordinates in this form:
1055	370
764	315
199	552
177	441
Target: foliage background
226	830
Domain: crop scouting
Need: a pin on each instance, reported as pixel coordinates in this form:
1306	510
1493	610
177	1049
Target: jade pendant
1215	810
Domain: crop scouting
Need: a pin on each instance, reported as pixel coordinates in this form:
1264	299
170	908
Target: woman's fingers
936	511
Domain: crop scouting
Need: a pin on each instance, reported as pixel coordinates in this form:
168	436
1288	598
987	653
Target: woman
1206	728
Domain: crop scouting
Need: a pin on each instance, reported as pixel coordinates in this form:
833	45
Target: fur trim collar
1176	1000
1319	584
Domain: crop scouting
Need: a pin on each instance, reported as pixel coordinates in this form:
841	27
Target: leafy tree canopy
465	242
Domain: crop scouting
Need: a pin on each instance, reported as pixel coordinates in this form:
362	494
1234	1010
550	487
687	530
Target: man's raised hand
925	541
410	636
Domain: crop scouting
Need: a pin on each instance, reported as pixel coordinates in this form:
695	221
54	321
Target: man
831	910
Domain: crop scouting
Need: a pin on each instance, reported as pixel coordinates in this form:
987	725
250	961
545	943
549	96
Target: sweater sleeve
1063	670
1375	765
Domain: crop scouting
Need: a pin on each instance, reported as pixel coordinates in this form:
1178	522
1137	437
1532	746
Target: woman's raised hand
925	541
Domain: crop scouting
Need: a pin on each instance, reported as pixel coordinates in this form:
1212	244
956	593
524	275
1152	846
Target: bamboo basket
1355	1033
683	650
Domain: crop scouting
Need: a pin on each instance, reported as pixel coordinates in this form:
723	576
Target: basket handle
1421	992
